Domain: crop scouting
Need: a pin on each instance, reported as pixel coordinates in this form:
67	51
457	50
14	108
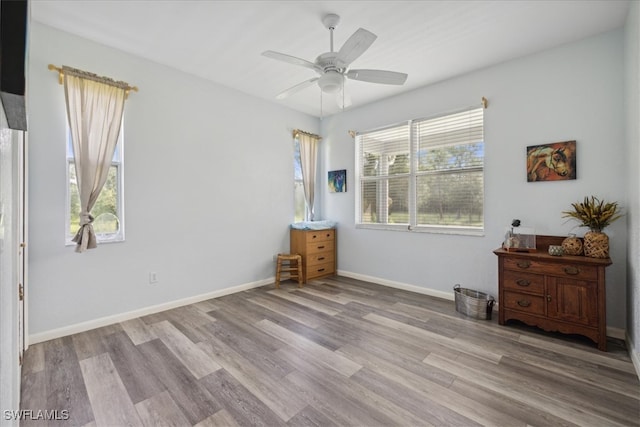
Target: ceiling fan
333	67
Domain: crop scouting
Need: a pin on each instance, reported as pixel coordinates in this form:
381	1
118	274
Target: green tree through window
107	203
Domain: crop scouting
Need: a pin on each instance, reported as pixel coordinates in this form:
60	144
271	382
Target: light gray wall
187	156
208	188
574	92
632	104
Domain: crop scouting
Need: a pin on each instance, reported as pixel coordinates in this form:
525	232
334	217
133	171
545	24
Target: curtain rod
297	131
60	71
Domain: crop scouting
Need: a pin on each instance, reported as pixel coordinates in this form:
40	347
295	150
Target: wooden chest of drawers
318	250
555	293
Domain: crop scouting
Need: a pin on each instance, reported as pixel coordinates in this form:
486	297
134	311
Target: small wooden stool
291	264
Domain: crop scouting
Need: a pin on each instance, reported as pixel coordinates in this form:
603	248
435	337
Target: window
423	175
108	211
298	191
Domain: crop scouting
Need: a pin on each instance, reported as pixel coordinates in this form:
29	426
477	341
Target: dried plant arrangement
594	213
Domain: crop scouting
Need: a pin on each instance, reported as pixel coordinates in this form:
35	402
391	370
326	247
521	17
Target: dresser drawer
519	264
320	258
320	236
320	270
523	302
582	272
526	282
317	247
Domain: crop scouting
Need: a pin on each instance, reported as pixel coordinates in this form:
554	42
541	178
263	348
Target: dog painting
551	162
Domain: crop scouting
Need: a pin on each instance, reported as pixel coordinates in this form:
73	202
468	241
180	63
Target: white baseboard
117	318
399	285
616	333
635	357
110	320
611	331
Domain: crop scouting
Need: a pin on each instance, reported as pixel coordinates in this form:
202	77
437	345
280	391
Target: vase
596	244
572	245
555	250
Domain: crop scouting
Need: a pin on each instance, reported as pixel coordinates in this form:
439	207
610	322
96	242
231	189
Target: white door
12	197
21	243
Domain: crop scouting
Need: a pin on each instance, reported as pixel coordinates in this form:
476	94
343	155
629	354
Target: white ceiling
430	40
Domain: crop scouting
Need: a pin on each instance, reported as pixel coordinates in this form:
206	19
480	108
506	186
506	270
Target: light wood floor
337	352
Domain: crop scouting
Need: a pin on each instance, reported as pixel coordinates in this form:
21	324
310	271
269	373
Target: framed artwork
338	181
551	162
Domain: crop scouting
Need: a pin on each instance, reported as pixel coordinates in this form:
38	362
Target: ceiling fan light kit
331	82
333	67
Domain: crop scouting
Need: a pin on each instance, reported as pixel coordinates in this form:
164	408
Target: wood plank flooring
338	352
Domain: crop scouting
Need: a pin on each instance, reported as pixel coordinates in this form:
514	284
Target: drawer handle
523	282
320	269
321	247
313	236
524	303
328	234
524	264
320	258
548	298
572	270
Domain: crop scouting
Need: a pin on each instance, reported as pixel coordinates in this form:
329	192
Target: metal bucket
473	303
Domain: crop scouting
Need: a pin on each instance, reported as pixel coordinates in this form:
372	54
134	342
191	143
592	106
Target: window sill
478	232
70	242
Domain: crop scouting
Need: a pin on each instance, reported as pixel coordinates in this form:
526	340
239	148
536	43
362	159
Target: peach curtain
308	160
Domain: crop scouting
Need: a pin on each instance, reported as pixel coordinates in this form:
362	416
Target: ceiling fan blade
290	59
297	88
355	46
378	76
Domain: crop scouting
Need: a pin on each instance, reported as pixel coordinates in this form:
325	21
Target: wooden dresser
318	250
555	293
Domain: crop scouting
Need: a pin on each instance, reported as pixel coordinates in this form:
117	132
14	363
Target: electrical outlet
153	277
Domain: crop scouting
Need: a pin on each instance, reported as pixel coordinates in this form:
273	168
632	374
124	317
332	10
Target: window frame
413	175
119	165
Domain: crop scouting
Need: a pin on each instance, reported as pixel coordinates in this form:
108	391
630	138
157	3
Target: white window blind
384	175
423	174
